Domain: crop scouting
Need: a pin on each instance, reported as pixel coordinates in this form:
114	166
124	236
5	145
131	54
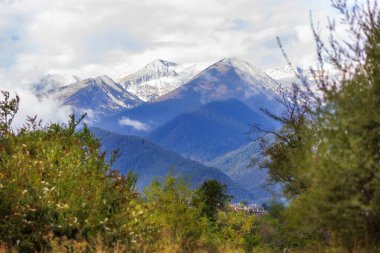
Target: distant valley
150	161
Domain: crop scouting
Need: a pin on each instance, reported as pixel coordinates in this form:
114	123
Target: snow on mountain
159	77
52	82
282	72
287	75
227	79
97	96
251	75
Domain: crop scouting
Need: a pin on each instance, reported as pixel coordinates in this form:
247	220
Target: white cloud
93	37
46	109
133	123
88	38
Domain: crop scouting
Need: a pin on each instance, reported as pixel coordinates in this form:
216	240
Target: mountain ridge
150	161
96	96
229	78
209	130
158	78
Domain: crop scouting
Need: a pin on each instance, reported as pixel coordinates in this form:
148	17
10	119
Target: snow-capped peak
282	72
247	72
239	64
159	77
159	62
289	75
104	82
98	97
51	82
104	79
232	61
154	70
288	72
229	78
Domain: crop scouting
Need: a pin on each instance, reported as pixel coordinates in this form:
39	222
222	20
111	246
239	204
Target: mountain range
242	165
226	79
96	96
150	161
210	130
189	118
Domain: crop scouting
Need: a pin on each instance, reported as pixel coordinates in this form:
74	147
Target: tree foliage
181	223
59	193
329	163
54	182
211	197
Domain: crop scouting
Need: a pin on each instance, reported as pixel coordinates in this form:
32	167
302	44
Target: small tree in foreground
182	228
211	197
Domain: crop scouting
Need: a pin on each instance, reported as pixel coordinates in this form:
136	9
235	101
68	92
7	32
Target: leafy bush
55	183
180	222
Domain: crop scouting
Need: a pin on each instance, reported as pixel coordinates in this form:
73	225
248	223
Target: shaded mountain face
150	161
226	79
242	166
158	78
209	131
96	96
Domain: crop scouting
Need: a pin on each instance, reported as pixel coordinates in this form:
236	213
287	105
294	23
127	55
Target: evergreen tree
211	197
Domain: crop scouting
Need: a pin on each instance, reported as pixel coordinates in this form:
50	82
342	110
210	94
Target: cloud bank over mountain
47	109
116	37
88	38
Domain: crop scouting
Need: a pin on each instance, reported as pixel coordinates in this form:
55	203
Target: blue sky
92	37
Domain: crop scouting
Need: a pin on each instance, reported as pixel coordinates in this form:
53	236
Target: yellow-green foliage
179	221
55	183
237	229
185	227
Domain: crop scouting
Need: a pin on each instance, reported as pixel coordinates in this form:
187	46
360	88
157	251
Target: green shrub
55	183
